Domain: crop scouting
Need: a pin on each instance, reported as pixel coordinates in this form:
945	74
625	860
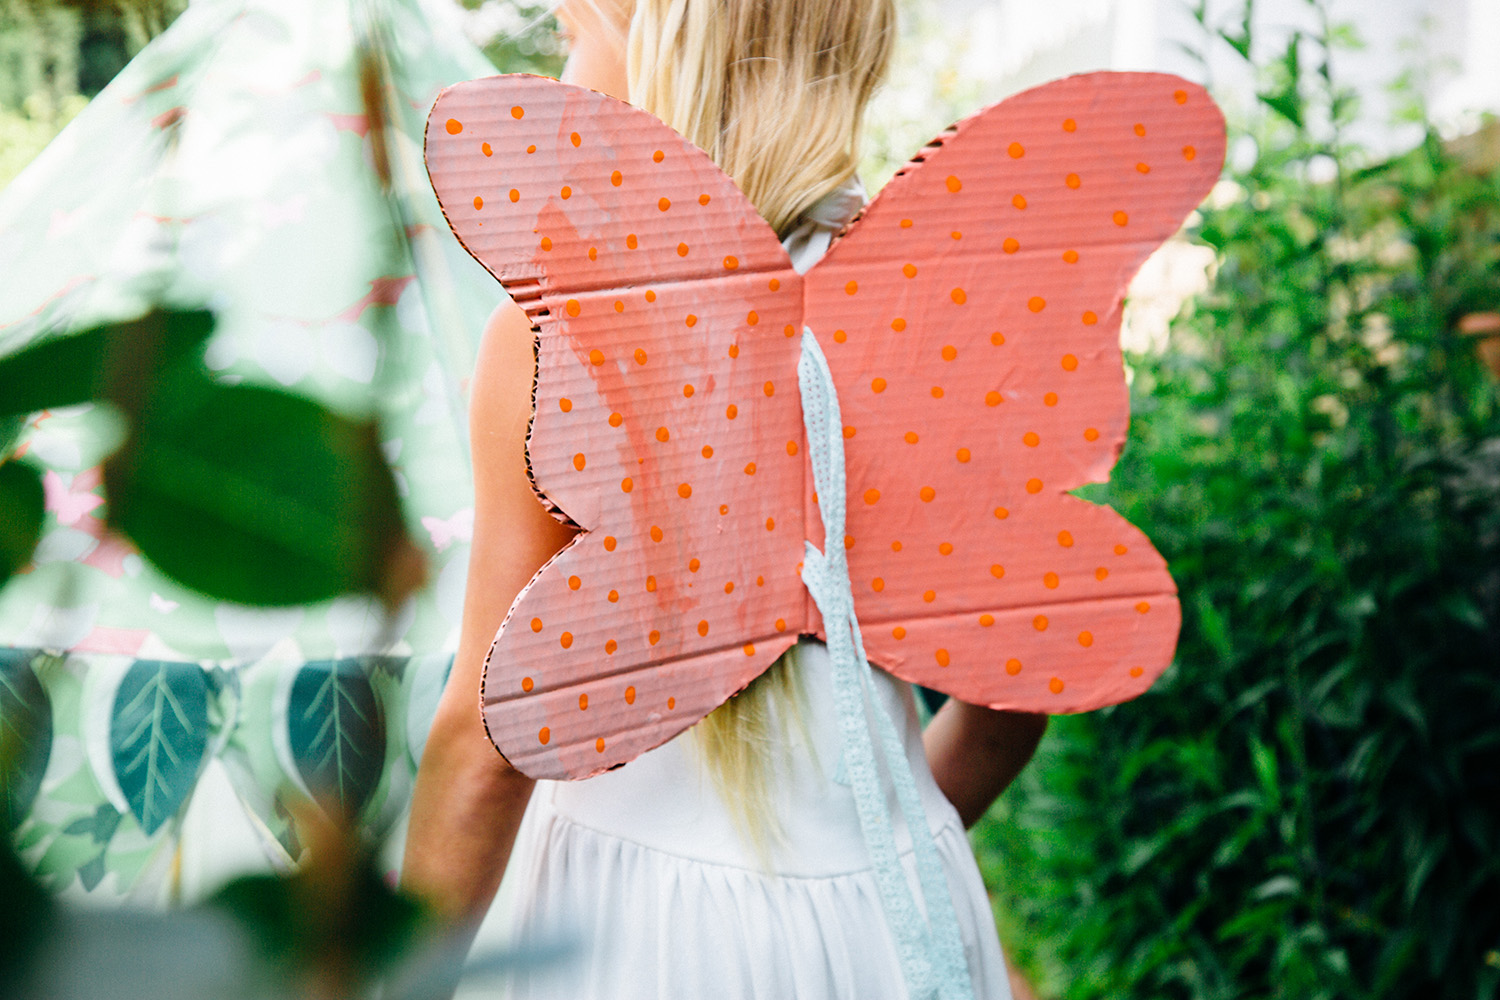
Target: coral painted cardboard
971	319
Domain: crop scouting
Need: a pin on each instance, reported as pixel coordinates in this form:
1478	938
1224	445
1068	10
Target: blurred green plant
1304	805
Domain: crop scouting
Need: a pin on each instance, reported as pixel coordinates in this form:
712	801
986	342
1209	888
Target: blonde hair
775	92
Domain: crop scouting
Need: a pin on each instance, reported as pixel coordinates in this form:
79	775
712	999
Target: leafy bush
1305	804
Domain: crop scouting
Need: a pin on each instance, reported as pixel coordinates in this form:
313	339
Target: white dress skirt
645	868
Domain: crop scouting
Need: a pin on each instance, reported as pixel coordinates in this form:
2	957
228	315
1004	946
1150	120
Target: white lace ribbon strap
927	939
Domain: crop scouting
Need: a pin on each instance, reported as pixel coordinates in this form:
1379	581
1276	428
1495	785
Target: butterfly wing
971	319
666	419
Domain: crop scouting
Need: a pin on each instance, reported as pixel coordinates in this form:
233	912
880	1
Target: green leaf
158	736
114	362
25	734
23	505
254	495
10	433
336	731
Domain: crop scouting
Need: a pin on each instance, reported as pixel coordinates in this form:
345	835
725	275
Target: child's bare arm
976	752
468	802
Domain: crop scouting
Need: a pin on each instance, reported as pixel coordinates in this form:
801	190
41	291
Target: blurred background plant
1305	804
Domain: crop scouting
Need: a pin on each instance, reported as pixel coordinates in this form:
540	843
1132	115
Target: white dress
670	901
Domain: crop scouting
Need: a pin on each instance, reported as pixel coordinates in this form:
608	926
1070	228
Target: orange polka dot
986	620
544	735
723	509
848	542
945	548
1140	129
515	196
1120	550
734	350
583	703
626	485
1013	667
750	469
760	581
896	546
839	336
454	126
616	419
566	192
937	392
731	411
616	178
1033	486
791	448
1030	439
631	242
927	494
610	645
954	184
871	496
479	203
1142	607
663	435
1019	201
1189	153
911	437
1180	96
958	296
1073	181
656	533
703	199
527	684
690	320
1055	685
1069	362
898	324
546	241
963	455
1137	671
851	287
1070	256
849	432
654	637
1001	513
658	156
565	404
693	565
1090	318
703	627
572	307
614	597
1039	623
956	235
517	111
579	461
942	658
1050	399
1065	539
1036	303
910	270
684	490
1051	581
536	624
905	223
992	398
662	204
484	148
671	703
593	253
1085	639
566	639
1091	433
1069	125
682	249
898	633
1143	168
574	583
878	385
749	649
531	149
789	330
774	284
997	571
599	745
630	695
877	584
997	338
770	524
1121	218
1011	244
1101	574
781	624
650	584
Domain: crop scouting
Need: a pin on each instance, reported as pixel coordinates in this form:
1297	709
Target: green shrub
1305	804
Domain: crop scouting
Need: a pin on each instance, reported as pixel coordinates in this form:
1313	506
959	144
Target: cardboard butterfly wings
970	318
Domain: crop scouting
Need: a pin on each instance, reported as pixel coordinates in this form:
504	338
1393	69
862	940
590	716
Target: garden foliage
1304	805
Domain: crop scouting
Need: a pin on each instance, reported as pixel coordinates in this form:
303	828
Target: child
728	862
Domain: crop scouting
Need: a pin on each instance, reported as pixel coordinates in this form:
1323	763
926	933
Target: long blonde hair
775	92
